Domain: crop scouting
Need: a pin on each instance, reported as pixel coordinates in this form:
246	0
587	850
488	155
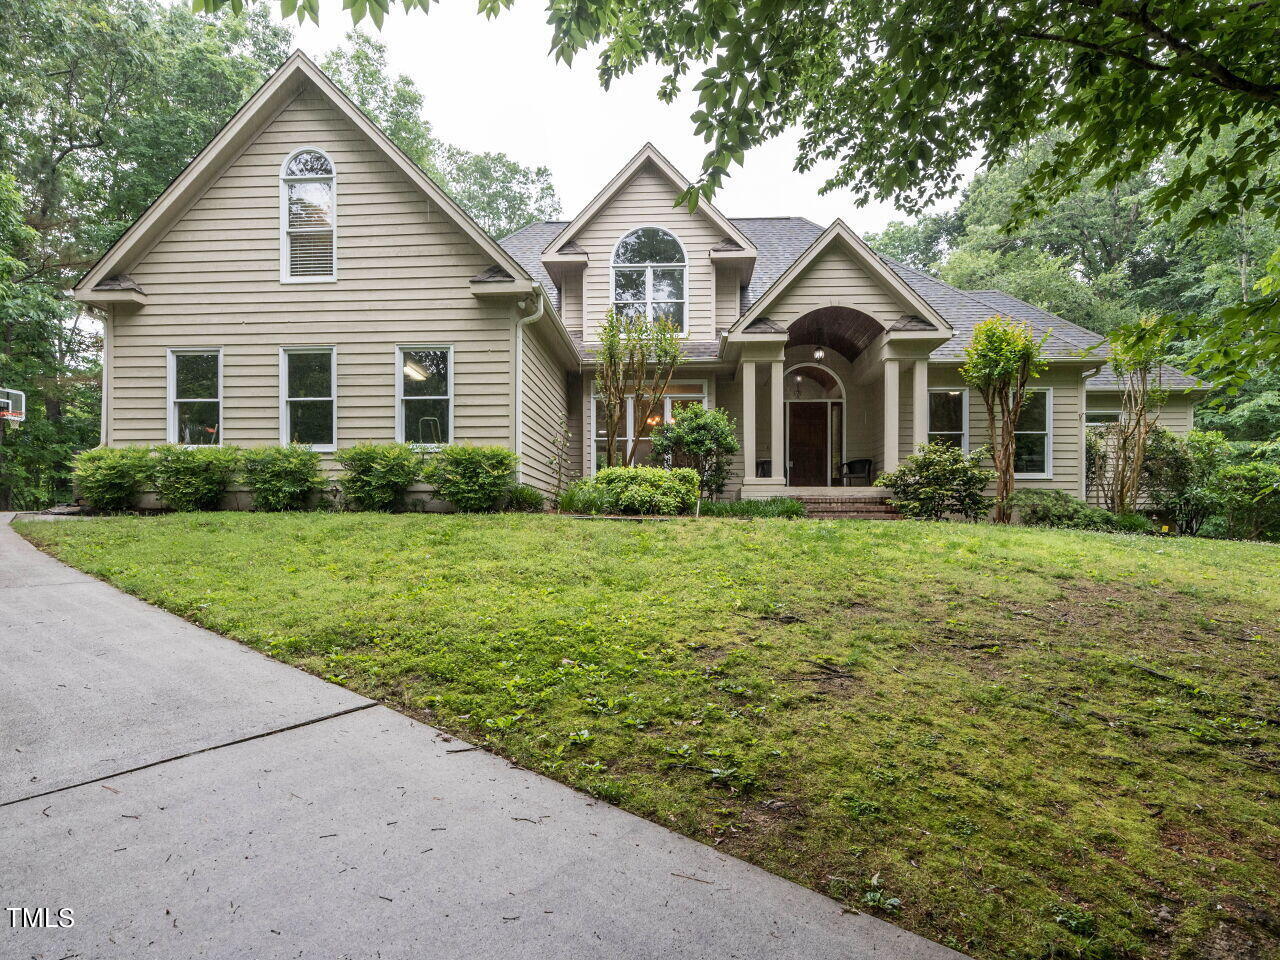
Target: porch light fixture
819	353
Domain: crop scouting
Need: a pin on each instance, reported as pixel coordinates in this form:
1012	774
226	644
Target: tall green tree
501	194
897	94
102	103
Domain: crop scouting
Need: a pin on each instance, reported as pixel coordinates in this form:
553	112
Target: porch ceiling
842	329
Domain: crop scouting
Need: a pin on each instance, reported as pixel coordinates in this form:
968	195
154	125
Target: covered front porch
827	405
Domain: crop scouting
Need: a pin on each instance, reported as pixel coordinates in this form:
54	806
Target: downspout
521	323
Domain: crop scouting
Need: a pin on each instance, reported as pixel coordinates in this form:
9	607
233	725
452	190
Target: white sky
490	85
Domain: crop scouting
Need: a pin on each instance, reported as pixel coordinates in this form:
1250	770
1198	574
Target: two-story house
303	281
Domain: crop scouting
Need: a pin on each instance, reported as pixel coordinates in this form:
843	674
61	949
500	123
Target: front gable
298	79
718	256
840	270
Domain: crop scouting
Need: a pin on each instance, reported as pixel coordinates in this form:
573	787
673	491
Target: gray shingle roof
780	241
526	246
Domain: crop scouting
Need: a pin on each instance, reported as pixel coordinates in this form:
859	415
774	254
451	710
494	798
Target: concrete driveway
183	796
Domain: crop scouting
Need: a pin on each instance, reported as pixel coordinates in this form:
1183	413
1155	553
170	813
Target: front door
808	432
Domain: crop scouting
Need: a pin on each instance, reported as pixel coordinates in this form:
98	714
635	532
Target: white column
890	415
749	420
919	404
777	445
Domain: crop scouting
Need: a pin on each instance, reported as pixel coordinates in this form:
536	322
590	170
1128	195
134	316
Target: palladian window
649	276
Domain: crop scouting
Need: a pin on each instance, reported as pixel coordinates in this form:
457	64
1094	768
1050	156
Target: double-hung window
949	417
649	276
308	408
424	395
308	218
635	431
195	397
1033	436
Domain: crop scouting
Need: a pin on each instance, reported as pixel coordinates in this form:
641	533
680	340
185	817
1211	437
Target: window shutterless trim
171	391
285	180
1047	433
400	397
964	415
648	269
285	416
667	398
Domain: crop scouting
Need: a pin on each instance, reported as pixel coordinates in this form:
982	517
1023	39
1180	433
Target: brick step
852	508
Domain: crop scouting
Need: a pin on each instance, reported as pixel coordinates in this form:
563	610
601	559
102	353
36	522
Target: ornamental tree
637	358
1001	359
701	439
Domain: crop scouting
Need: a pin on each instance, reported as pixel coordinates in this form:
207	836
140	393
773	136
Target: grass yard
1018	742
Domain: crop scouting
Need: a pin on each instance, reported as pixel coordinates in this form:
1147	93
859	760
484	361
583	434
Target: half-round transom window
649	276
812	383
308	217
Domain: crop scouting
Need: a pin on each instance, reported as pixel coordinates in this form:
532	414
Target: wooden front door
808	434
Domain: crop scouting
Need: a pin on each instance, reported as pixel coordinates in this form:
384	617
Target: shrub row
375	476
646	491
1056	508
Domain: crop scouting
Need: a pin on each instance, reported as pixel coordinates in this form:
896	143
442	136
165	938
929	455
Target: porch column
749	420
919	404
777	411
890	415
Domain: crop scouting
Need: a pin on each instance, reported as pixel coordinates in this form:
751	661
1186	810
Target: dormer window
308	218
649	276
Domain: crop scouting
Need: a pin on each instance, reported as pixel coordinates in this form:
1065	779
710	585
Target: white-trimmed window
195	397
308	217
678	394
424	395
949	416
649	276
1101	418
1033	436
308	397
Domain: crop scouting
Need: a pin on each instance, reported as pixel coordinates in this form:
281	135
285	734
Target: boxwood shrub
473	479
378	475
937	480
111	479
649	490
193	478
282	478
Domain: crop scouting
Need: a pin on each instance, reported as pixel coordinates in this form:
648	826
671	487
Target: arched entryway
815	436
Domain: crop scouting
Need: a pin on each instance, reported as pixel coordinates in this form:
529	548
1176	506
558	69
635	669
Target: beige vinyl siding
577	442
571	304
544	409
1065	438
648	199
403	270
728	297
835	277
1176	415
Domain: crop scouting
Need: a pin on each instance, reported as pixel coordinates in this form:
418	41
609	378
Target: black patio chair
856	473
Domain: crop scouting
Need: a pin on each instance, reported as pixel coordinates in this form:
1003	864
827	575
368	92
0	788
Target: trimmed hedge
282	478
646	491
111	478
378	475
192	478
473	479
940	479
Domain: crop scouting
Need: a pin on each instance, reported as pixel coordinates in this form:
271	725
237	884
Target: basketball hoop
13	406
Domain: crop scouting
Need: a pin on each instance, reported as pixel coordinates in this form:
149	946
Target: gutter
518	364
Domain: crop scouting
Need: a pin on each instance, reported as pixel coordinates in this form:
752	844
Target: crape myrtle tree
999	362
636	360
896	94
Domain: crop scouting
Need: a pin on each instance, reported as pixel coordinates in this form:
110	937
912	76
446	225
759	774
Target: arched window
649	276
308	217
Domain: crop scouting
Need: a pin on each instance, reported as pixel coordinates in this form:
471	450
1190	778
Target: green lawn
1017	742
